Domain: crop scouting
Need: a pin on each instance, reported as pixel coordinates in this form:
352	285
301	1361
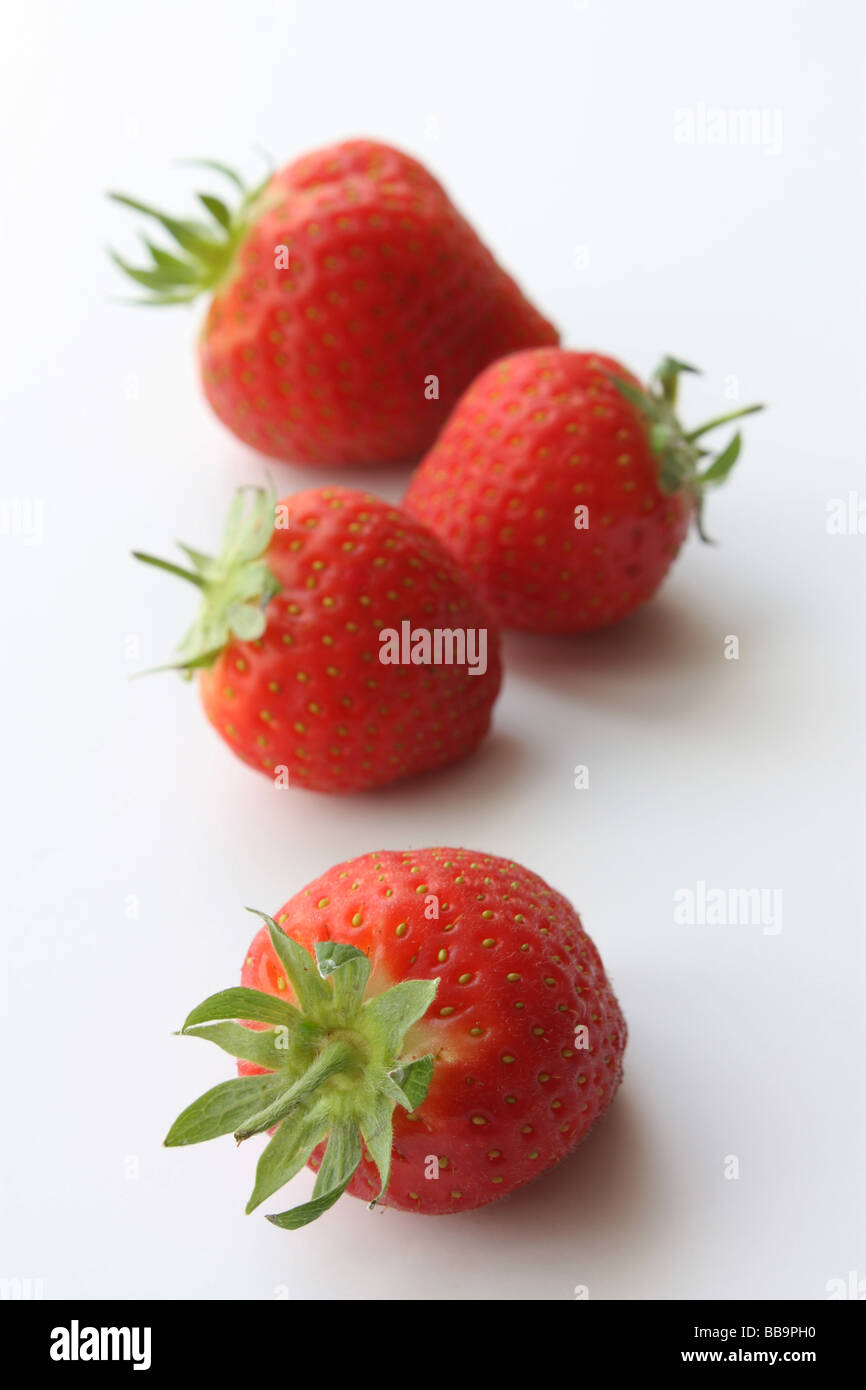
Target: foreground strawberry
351	304
438	1018
565	488
289	642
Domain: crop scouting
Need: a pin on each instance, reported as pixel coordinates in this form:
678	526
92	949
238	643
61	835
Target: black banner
83	1337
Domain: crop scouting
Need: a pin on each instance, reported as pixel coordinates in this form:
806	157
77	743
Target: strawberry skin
512	1092
536	435
565	488
327	360
302	694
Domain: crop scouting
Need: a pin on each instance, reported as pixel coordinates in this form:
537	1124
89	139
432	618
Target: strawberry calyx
339	1064
236	585
207	249
681	458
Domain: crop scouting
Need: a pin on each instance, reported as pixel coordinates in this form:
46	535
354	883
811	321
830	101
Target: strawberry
565	488
299	669
438	1018
350	305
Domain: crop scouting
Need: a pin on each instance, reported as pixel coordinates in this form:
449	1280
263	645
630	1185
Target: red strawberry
293	636
565	488
487	1020
331	358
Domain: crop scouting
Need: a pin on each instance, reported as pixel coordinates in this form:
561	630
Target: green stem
337	1058
170	568
721	420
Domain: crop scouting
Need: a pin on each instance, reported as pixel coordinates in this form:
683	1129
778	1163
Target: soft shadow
605	1186
494	768
664	635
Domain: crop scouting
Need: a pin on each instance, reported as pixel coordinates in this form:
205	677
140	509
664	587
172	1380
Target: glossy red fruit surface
538	437
525	1032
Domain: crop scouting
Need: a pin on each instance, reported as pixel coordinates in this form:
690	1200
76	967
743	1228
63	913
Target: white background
553	126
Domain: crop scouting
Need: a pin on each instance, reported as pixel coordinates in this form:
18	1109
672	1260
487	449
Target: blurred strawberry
438	1018
351	304
289	641
565	488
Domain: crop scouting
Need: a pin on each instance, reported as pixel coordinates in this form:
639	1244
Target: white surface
553	127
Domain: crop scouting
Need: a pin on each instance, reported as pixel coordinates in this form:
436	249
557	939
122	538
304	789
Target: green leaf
249	525
158	300
220	1110
202	563
342	1157
177	570
721	467
237	585
286	1154
699	520
396	1095
722	420
158	279
672	474
672	366
339	1057
192	236
297	1217
243	1003
348	969
217	209
330	955
635	394
266	1048
398	1008
310	989
219	168
377	1129
415	1080
668	376
245	622
660	435
182	272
